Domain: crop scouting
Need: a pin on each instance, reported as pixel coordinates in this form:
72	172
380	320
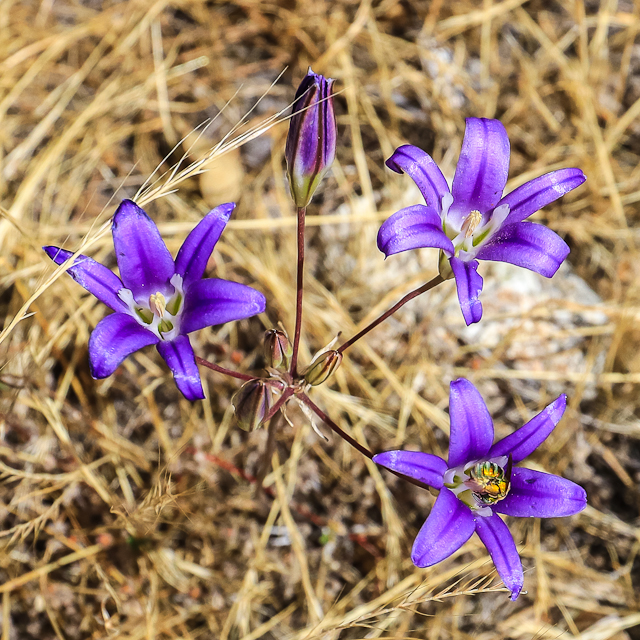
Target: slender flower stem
410	296
354	443
302	214
279	402
334	427
226	372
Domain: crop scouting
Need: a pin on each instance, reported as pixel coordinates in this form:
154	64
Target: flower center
488	482
160	315
481	484
470	231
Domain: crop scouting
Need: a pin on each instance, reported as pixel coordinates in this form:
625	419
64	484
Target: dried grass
128	512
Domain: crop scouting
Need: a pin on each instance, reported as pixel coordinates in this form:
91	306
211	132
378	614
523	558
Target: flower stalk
410	296
302	212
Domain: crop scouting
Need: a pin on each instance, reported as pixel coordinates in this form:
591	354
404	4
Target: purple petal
539	192
146	266
482	169
114	338
449	525
530	436
179	356
93	276
422	466
194	253
469	285
496	536
413	228
421	167
534	494
212	301
471	432
527	245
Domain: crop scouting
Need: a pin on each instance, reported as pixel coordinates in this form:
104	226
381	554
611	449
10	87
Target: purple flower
311	141
156	300
473	221
478	482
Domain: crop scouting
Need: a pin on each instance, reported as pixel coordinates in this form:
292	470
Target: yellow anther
157	304
471	223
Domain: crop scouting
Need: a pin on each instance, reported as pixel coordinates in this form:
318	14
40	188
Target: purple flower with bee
479	481
158	300
473	221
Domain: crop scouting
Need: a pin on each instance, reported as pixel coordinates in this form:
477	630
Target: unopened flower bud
311	142
323	367
277	349
251	404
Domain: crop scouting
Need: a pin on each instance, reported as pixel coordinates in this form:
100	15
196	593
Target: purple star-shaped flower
473	221
156	300
478	482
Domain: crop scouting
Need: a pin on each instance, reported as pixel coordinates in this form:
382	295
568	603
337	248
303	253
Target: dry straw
128	512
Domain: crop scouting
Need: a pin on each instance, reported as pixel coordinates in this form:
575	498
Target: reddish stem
286	394
354	443
410	296
334	427
302	213
226	372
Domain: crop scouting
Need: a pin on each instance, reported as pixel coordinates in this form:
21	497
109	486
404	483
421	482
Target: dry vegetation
126	511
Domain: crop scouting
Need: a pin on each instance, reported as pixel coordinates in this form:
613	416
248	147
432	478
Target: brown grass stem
274	426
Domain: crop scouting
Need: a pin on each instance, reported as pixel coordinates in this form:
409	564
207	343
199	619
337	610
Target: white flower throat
474	229
162	313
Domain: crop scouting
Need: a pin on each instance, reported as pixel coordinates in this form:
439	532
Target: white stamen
447	201
471	223
157	304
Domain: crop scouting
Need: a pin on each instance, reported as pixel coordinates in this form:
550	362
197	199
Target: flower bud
311	142
277	349
323	367
251	403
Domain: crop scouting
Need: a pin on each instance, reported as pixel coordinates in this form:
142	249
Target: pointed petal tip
224	210
57	254
128	207
384	459
260	302
557	408
469	285
180	358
